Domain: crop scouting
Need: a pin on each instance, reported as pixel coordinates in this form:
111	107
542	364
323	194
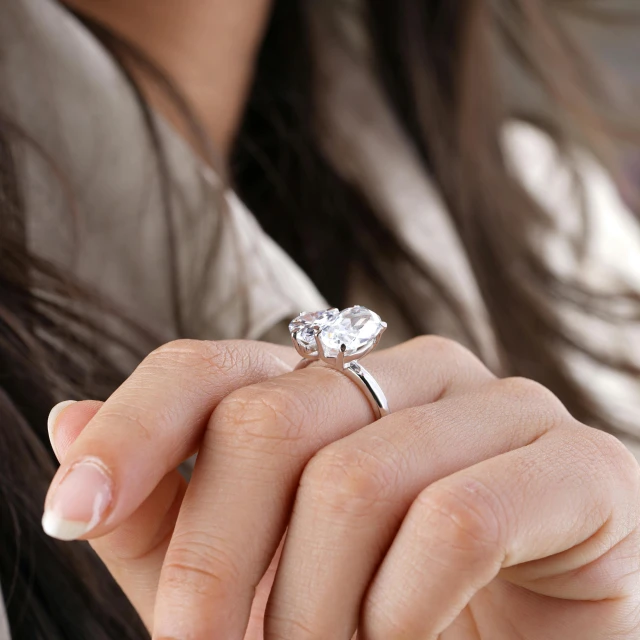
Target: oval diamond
303	327
356	328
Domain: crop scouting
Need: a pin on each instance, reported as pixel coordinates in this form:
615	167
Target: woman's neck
207	47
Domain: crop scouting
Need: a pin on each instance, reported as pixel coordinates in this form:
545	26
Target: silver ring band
366	383
338	339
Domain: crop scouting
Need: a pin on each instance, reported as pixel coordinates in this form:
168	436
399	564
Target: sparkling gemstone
303	327
356	328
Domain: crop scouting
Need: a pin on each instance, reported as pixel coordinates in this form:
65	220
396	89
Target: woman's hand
478	510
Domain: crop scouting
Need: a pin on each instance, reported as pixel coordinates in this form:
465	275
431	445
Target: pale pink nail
79	501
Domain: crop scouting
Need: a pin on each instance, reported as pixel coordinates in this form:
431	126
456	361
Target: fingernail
54	414
78	502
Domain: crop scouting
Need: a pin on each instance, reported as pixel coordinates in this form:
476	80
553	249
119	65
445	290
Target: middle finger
257	444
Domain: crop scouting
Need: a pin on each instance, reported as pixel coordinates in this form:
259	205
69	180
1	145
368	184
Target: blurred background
614	44
619	45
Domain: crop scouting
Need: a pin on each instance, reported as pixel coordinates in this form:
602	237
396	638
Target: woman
372	142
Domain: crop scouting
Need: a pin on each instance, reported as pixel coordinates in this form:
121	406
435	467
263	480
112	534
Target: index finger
152	423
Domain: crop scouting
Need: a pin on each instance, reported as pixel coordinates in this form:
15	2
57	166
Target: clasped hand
480	509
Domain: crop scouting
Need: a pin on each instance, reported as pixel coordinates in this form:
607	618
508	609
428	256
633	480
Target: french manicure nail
79	502
54	414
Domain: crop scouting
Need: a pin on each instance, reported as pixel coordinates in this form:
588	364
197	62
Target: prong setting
297	346
337	337
319	346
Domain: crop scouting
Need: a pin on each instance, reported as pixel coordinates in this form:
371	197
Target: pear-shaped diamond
356	328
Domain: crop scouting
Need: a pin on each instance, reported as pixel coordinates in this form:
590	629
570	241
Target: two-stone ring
339	339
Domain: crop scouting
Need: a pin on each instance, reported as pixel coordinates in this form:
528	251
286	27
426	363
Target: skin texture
479	509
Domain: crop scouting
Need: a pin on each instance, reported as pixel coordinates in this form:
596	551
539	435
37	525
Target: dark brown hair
437	63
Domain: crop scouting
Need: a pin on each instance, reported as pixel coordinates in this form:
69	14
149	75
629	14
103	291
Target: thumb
66	422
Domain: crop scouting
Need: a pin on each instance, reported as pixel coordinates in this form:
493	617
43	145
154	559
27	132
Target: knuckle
141	425
280	627
447	350
467	516
532	397
259	416
383	618
628	624
350	481
526	389
199	567
440	345
616	457
205	356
